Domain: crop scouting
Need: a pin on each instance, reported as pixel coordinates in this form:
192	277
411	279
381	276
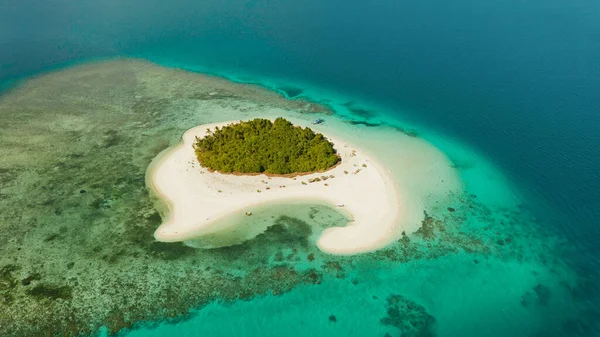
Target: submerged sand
199	199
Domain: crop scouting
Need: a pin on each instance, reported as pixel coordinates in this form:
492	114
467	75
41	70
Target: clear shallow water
510	294
516	81
488	254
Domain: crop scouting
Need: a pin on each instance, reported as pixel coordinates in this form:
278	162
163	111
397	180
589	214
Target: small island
224	175
263	146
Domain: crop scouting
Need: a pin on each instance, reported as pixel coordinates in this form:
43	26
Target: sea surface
508	90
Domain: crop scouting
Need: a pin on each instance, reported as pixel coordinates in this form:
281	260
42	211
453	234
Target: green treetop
262	146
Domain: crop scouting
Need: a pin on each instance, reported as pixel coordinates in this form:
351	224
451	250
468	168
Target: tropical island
264	146
274	163
53	269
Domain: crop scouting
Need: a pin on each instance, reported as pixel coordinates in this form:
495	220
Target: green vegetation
262	146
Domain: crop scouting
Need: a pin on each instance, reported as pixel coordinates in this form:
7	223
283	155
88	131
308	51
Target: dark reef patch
111	138
540	295
290	92
33	277
411	318
290	230
360	111
52	237
461	165
410	133
171	251
7	280
365	123
429	227
45	291
313	212
150	105
543	294
7	176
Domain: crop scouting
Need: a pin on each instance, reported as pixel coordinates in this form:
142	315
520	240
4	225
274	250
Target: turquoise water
468	294
507	90
484	251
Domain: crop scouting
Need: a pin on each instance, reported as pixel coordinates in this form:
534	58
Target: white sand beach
198	199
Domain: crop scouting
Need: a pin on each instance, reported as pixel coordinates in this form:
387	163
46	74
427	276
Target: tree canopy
262	146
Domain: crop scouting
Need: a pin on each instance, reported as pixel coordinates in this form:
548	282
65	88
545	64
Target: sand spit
198	199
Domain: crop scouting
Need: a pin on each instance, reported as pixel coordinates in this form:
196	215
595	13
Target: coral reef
76	219
290	92
411	318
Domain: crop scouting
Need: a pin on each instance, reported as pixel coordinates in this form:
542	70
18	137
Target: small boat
339	205
248	213
318	121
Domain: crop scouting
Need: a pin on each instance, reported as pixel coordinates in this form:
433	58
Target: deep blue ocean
518	80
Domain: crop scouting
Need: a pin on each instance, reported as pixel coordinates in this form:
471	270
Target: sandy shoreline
197	199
